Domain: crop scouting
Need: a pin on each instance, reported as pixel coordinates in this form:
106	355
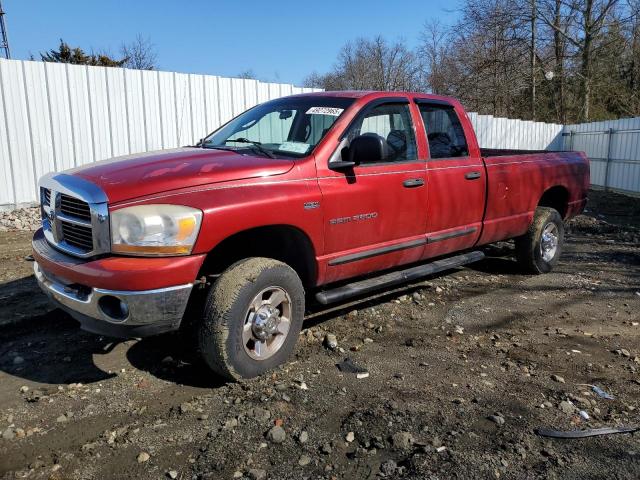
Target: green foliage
77	56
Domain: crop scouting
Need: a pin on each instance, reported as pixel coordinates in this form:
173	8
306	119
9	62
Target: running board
395	278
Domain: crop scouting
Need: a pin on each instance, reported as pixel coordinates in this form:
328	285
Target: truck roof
372	94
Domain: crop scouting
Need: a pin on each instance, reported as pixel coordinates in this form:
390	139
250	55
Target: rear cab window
444	131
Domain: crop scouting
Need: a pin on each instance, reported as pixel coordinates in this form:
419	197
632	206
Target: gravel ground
462	369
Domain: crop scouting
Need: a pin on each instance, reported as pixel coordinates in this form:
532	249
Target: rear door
456	177
375	213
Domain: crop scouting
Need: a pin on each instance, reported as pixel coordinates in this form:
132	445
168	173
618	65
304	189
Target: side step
395	278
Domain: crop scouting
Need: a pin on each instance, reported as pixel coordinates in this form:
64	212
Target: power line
4	40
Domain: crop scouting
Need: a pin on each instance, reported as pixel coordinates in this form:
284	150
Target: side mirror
366	148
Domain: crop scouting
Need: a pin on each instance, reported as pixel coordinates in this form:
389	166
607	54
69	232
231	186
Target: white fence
57	116
495	132
613	147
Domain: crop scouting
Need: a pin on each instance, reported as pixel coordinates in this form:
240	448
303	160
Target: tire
534	254
232	304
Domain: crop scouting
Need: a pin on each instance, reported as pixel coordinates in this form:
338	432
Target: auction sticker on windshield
334	112
294	147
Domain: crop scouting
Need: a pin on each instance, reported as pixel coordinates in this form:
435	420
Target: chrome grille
74	215
46	196
77	235
74	207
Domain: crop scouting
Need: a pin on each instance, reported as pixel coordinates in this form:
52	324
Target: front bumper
118	313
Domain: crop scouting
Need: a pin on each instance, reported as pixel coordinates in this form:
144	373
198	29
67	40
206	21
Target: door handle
472	175
413	183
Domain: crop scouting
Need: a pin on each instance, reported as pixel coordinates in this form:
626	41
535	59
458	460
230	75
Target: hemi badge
311	205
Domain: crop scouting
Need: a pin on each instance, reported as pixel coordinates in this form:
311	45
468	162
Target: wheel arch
556	197
282	242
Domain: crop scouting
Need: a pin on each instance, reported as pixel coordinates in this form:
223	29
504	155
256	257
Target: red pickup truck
290	201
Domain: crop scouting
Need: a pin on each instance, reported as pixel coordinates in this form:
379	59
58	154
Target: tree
371	64
77	56
247	75
139	54
552	60
435	52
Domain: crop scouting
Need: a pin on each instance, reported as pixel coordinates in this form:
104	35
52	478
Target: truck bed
502	152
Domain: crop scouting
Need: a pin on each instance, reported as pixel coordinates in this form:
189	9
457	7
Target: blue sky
280	41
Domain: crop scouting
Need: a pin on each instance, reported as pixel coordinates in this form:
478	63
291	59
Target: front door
375	214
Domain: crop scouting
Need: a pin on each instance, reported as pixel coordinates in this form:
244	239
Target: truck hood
138	175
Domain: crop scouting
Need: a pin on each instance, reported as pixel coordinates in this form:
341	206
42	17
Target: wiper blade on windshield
256	144
215	147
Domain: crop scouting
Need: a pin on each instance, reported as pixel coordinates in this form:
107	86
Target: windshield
290	126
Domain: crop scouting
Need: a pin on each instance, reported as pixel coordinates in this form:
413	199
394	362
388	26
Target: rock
402	440
326	448
143	457
8	434
557	378
172	474
439	290
260	414
304	460
303	437
276	434
24	389
497	419
567	407
350	437
186	407
389	468
331	341
18	360
230	424
61	419
458	329
257	474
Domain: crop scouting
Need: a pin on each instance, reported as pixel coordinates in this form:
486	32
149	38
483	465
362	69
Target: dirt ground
463	368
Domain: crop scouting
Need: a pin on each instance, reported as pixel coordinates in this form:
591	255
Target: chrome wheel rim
267	323
549	242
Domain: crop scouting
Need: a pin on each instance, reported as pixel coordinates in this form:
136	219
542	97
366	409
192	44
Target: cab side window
392	123
444	131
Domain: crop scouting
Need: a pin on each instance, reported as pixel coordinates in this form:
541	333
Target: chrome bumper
118	313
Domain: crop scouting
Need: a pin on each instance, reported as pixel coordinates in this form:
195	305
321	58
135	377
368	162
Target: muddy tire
539	249
251	319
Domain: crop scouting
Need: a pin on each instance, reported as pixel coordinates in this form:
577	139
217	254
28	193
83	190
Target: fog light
113	308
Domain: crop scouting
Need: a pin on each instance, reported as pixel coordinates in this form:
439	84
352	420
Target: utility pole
4	40
533	59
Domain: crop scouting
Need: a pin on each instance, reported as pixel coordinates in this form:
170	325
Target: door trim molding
354	257
449	235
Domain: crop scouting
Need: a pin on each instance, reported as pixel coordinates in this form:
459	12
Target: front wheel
252	318
538	250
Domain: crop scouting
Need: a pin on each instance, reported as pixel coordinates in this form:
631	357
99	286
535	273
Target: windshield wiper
214	147
256	144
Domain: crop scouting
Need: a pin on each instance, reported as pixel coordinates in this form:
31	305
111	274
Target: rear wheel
252	318
539	249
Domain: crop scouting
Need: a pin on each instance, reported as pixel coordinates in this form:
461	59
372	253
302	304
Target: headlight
155	229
